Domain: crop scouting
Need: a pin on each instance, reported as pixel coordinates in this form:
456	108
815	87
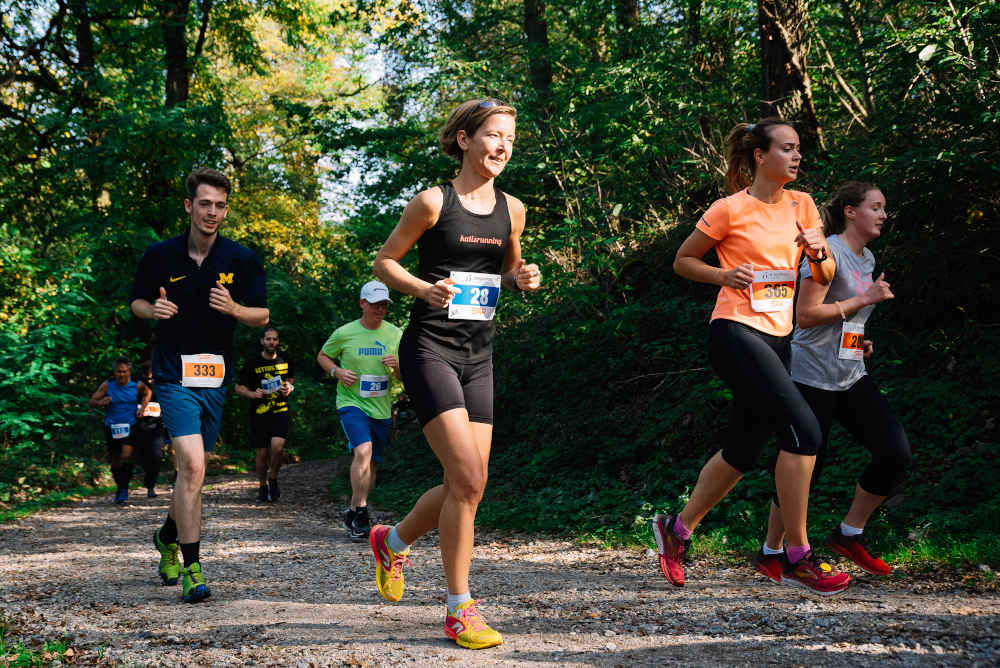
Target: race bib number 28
374	386
478	297
772	290
205	370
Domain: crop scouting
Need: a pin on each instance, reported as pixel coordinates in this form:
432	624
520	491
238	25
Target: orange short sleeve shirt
751	231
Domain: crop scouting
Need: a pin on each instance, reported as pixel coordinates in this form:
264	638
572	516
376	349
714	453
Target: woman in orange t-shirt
759	233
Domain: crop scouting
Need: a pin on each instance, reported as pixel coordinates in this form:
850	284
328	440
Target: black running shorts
435	384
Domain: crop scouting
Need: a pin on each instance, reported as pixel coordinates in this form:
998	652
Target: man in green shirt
366	351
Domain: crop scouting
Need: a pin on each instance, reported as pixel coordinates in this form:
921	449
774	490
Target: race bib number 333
772	290
478	297
205	370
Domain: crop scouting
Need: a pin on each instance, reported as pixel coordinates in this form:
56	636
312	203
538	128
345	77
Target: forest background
324	113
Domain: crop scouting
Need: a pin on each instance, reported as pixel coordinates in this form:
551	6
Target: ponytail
849	193
741	143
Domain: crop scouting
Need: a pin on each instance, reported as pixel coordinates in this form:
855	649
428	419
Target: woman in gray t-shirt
828	366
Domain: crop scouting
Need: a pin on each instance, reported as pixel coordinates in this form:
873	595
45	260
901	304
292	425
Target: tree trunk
786	89
84	95
173	28
859	47
537	31
173	23
693	20
627	13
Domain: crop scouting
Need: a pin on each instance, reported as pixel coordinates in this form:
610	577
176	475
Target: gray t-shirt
817	359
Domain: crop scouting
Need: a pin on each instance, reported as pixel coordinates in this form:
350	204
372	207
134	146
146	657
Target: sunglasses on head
484	104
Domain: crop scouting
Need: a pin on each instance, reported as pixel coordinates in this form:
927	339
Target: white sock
396	543
771	552
848	530
455	600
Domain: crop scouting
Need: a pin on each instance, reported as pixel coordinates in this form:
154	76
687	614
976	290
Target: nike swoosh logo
174	280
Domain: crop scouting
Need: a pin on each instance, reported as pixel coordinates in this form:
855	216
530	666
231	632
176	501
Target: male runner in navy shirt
197	286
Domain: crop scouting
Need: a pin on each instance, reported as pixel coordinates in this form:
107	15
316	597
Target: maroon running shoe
815	574
768	565
671	549
855	548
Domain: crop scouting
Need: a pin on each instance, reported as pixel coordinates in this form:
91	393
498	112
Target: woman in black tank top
467	234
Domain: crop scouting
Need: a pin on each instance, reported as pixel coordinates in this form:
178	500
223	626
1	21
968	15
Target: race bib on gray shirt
828	356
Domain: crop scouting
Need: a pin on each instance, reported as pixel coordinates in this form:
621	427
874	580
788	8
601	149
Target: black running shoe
349	518
361	526
272	489
262	492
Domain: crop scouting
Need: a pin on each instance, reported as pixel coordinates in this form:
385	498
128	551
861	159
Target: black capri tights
765	400
864	412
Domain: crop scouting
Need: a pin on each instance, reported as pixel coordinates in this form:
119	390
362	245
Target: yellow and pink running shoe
388	564
468	628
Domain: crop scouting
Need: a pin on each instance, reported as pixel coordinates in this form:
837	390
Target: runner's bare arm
161	309
516	274
247	393
811	311
420	214
251	316
813	244
345	376
100	397
689	264
145	396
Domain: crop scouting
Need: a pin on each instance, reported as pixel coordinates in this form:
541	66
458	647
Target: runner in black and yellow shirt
267	380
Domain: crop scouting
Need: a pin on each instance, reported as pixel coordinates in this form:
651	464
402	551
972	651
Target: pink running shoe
819	576
671	549
768	565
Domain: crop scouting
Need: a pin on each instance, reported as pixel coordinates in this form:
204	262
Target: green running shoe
170	568
194	585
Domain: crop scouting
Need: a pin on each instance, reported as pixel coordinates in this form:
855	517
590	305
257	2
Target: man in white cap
362	356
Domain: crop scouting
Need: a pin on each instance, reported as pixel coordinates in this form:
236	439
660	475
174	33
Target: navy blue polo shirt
197	327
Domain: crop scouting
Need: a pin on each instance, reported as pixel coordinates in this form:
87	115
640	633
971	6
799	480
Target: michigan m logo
226	278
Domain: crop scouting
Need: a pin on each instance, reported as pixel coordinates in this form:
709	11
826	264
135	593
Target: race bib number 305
772	290
203	370
852	341
374	386
478	297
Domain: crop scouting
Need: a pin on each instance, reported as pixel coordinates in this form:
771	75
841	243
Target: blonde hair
742	141
469	116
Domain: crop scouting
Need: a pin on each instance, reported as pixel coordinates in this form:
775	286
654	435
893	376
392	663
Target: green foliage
14	653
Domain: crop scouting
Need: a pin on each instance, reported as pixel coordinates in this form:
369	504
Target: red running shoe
768	565
855	548
813	573
671	549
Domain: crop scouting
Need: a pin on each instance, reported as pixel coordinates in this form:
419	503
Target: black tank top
460	241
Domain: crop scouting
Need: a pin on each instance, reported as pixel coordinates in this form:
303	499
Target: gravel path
290	589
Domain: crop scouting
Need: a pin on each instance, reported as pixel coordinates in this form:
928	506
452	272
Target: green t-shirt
361	350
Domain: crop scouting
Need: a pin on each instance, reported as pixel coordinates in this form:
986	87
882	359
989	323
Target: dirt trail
289	588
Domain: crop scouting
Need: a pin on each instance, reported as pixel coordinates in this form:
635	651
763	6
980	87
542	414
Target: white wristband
333	371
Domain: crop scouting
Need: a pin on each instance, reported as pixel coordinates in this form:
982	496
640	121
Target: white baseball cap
374	292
